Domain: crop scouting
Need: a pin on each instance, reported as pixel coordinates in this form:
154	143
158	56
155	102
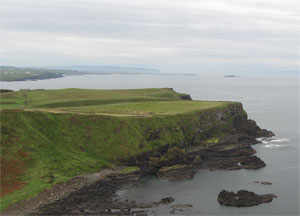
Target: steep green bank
39	149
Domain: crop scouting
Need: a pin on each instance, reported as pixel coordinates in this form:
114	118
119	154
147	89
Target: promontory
51	136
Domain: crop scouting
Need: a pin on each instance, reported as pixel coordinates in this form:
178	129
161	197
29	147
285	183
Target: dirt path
82	113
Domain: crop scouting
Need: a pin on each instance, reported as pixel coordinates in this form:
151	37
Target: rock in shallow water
176	172
182	206
243	198
263	182
166	200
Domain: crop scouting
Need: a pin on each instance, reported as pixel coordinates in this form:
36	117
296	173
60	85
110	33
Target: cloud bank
171	35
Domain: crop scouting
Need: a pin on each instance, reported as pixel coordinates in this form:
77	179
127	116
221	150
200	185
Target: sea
271	100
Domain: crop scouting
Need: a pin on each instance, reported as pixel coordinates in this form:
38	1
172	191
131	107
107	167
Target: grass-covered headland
50	136
9	74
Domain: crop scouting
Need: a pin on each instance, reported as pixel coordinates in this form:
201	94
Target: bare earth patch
11	170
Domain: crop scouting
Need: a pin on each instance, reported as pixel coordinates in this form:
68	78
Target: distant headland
11	74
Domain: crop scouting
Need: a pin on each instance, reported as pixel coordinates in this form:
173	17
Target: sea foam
272	142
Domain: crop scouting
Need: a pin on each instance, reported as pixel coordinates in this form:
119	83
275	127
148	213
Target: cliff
39	148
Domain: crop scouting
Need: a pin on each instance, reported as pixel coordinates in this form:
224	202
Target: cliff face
200	128
215	139
55	147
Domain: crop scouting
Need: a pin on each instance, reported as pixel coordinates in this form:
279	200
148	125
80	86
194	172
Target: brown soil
11	171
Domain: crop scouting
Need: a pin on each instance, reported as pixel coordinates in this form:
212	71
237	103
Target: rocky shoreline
92	194
95	193
232	151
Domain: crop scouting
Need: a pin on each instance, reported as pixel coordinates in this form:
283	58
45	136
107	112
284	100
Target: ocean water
273	102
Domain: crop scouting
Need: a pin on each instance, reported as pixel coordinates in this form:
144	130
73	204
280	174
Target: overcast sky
171	35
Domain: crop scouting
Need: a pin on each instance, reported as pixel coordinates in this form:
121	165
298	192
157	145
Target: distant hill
108	69
8	73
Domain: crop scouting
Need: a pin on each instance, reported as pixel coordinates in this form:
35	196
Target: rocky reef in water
243	198
99	198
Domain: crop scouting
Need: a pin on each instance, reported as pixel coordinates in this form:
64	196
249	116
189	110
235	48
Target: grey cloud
174	31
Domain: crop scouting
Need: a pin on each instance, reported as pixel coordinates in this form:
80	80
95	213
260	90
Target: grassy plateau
50	136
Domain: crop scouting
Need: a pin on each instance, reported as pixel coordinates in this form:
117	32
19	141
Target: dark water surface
273	102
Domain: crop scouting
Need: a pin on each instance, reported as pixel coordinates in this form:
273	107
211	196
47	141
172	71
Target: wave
280	140
274	145
273	142
264	140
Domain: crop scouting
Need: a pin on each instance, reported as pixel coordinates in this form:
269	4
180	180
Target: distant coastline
12	74
230	76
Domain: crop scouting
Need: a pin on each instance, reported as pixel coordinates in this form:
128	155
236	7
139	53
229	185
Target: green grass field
136	102
147	108
50	136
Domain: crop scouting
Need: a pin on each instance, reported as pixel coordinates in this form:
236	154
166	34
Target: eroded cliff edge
54	147
214	139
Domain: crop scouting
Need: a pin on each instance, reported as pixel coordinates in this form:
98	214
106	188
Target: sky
176	36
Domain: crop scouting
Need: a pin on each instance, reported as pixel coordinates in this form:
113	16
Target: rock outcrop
243	198
185	97
214	139
130	174
176	172
263	182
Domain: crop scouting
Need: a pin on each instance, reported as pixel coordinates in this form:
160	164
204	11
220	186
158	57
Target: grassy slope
62	146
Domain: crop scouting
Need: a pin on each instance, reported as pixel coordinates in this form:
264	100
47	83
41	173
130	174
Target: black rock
166	200
243	198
